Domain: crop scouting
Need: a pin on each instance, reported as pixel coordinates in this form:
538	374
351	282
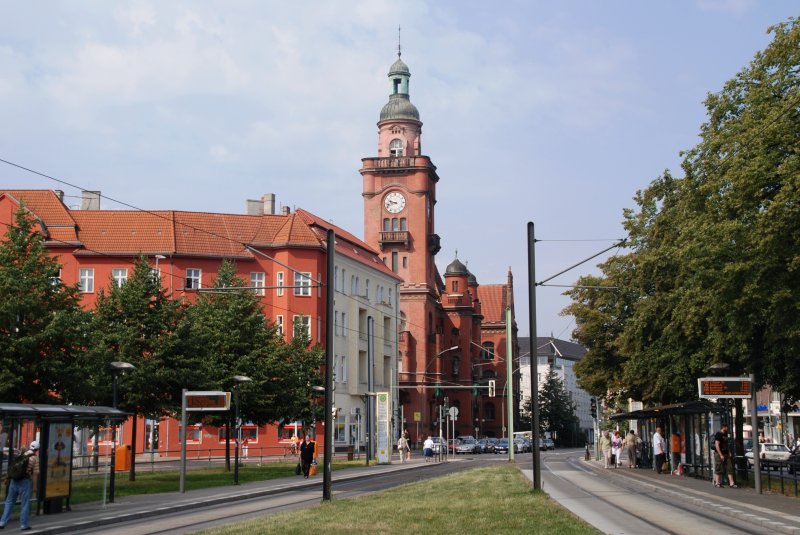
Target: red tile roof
493	302
46	206
347	244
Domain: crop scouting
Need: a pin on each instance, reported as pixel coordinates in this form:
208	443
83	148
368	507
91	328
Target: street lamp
117	369
238	380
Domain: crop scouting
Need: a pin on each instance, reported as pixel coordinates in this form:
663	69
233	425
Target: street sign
724	387
417	416
453	413
208	400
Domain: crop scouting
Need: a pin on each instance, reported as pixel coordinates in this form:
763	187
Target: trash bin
122	458
350	452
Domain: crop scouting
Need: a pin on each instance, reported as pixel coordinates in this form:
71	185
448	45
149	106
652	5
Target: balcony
395	162
393	237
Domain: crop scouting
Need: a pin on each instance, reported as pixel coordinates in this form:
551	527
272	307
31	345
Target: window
302	284
193	433
379	294
335	323
344	324
456	365
394	261
386	227
396	146
335	278
279	324
279	282
403	223
193	277
395	224
340	432
487	353
405	262
55	281
257	282
455	286
488	411
86	280
119	276
366	289
341	376
302	325
390	297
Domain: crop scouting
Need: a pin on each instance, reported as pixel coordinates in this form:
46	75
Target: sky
554	113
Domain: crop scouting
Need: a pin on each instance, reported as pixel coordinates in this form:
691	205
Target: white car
771	454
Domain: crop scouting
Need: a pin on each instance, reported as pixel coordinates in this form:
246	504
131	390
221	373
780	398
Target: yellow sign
417	416
59	460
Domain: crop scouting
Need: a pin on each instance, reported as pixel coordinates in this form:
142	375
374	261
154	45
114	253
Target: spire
399	105
398	42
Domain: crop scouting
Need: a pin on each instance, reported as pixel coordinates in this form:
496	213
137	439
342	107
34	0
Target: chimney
254	207
60	194
90	200
285	210
269	203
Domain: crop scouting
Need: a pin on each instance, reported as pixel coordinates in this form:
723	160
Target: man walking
23	487
306	455
659	449
722	458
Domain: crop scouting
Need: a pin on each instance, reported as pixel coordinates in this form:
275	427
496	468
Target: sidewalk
780	514
93	515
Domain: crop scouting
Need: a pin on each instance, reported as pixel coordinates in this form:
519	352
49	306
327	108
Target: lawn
484	500
91	489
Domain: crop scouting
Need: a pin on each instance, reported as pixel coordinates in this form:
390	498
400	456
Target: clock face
394	202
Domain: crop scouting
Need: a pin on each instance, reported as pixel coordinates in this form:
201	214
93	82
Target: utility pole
537	472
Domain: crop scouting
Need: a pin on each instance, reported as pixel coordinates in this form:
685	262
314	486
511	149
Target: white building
365	303
561	356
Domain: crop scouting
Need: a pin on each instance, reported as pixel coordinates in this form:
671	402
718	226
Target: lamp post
328	446
238	380
117	369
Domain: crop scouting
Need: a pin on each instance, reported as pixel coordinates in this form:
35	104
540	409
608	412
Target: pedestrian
675	451
402	445
408	444
630	448
605	448
23	488
616	449
245	447
761	438
659	450
306	455
427	449
722	458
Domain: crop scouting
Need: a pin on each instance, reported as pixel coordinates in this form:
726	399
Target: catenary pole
329	338
537	472
509	378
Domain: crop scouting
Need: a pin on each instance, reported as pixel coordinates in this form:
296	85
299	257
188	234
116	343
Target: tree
229	335
712	276
42	325
556	409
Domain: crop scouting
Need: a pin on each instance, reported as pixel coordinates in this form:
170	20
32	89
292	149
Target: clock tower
399	215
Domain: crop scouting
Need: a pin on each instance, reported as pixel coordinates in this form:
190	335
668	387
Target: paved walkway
774	512
83	516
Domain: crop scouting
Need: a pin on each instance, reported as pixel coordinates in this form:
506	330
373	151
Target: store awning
701	406
33	411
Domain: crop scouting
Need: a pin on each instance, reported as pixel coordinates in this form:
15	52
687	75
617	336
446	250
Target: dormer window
396	148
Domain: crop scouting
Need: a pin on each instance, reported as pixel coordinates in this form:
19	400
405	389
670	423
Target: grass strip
484	500
91	489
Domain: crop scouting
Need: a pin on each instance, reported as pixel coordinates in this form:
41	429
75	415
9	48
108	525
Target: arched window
455	286
488	411
456	365
396	148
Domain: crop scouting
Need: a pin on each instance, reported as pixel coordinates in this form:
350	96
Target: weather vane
398	41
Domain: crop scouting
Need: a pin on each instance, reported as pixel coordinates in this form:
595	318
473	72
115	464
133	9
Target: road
622	506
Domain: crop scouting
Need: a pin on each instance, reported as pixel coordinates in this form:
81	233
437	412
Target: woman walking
605	448
616	449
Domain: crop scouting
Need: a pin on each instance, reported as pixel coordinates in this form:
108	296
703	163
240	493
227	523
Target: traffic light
491	388
474	389
437	392
593	409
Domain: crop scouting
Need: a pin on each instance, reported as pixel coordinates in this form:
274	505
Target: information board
724	387
208	401
383	433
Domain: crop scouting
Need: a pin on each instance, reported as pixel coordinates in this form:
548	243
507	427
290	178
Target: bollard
587	452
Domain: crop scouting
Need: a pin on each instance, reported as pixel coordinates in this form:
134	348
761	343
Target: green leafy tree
135	323
229	335
42	325
556	410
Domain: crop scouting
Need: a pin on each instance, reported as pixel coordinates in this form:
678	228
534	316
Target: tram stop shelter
695	421
55	425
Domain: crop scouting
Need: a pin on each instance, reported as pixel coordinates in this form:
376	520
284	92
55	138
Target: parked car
521	445
501	446
549	444
487	444
452	443
793	461
437	445
468	445
771	454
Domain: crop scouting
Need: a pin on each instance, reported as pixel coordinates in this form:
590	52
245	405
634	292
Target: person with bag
306	455
630	449
22	478
402	446
722	458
